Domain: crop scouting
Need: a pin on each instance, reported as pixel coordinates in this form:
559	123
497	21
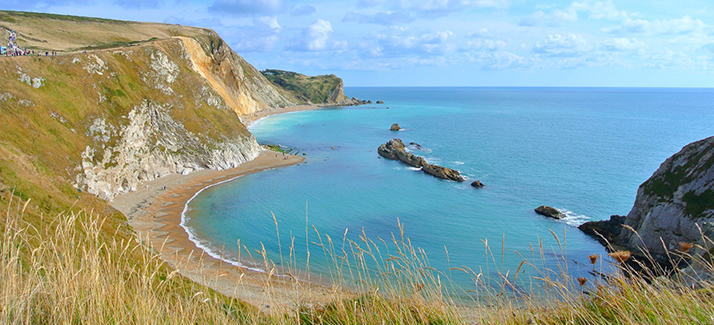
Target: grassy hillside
317	89
49	32
68	257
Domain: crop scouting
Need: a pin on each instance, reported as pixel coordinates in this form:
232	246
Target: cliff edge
670	207
123	103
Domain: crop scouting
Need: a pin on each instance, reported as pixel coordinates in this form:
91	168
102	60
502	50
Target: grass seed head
582	281
593	258
621	256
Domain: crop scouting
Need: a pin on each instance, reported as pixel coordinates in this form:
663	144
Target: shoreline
250	119
155	212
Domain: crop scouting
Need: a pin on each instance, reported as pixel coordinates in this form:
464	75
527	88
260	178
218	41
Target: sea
583	151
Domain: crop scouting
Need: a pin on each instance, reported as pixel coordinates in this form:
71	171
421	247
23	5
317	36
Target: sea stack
394	150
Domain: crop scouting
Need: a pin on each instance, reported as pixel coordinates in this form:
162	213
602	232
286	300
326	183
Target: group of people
13	50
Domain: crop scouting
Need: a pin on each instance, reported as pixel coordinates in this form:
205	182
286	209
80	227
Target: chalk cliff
109	119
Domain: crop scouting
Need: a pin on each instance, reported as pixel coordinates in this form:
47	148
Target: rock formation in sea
477	184
549	212
380	102
395	127
394	149
670	207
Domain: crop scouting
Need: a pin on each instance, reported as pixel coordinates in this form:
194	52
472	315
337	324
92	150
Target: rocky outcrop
442	172
380	102
395	127
549	212
477	184
137	113
150	144
605	231
243	88
394	149
672	205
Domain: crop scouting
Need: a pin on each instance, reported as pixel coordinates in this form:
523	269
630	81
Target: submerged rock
549	212
395	127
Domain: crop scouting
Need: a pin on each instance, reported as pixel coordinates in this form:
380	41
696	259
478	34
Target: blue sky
653	43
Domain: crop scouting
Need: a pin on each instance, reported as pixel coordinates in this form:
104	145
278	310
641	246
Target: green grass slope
325	89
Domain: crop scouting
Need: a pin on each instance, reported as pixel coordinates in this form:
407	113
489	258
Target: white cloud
485	45
261	36
555	18
435	7
670	59
315	37
270	22
595	10
401	44
684	25
557	45
600	10
622	44
387	18
501	60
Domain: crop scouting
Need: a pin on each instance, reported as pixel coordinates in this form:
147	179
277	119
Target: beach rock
380	102
395	127
477	184
549	212
442	172
605	231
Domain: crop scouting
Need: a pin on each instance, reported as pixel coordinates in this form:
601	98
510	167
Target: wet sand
154	212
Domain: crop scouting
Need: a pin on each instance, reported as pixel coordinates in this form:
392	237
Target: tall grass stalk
74	271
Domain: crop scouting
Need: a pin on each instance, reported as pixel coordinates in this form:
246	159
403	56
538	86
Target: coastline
155	213
249	119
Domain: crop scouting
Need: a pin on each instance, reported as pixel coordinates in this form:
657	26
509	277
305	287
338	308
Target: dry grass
72	271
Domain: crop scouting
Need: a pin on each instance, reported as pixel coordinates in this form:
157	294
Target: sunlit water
582	150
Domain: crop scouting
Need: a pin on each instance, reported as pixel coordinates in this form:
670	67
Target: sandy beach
249	119
154	212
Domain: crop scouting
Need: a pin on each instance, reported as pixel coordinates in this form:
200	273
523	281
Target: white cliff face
673	204
151	144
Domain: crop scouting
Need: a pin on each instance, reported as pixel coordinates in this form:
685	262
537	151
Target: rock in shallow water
549	212
394	149
395	127
477	184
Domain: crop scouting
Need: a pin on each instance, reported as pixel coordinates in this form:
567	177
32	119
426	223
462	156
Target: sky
583	43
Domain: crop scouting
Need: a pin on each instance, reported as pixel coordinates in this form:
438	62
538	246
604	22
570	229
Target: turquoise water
582	150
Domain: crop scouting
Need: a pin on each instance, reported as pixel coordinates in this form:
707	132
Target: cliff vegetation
327	89
147	100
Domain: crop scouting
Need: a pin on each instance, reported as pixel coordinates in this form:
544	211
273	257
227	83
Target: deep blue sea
582	150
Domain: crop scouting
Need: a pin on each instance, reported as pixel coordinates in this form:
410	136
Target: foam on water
572	218
205	244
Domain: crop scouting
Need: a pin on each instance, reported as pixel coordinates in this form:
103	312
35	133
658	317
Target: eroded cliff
671	206
109	120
